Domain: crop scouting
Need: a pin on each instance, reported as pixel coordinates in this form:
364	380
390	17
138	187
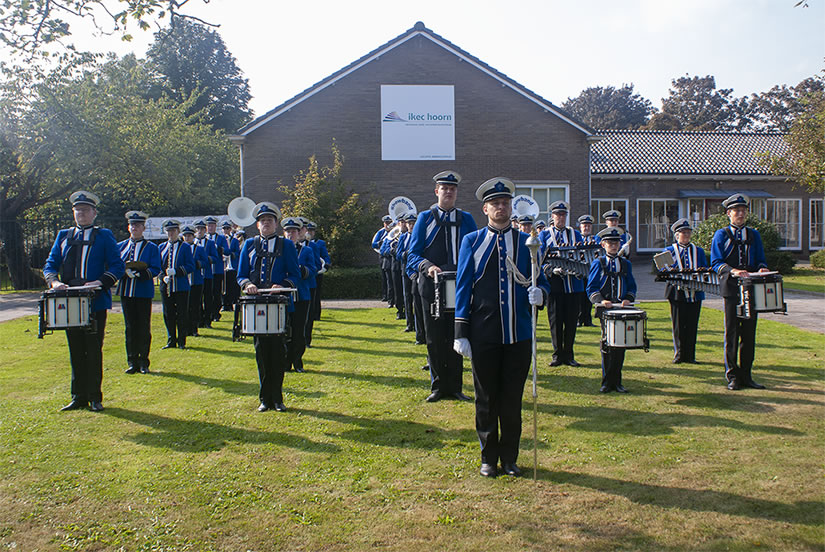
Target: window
599	207
784	213
758	207
817	237
699	209
545	194
654	218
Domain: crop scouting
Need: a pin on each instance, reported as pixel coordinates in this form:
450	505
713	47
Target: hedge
352	283
818	259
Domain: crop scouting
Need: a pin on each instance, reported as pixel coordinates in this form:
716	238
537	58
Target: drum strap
260	255
451	233
742	246
73	268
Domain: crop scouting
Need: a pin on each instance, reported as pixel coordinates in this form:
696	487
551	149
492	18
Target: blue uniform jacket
696	259
491	307
601	274
221	248
234	250
423	235
568	237
724	256
322	251
144	284
211	253
201	260
377	238
316	253
284	269
100	261
402	247
306	264
182	261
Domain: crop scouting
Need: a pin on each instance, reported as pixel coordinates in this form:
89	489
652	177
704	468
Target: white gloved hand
461	346
535	296
131	273
167	279
558	271
170	271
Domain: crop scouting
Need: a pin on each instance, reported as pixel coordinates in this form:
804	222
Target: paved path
806	310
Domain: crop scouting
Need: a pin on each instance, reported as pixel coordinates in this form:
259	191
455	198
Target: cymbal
136	265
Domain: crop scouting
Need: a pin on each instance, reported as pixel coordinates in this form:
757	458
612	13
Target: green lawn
805	279
180	459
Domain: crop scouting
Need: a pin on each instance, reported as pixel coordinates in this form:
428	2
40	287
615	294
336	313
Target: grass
805	279
180	459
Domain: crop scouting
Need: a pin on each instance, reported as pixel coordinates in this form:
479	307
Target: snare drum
62	309
263	314
761	293
444	293
625	328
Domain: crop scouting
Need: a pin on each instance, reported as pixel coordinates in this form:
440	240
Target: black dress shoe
75	405
573	363
96	406
511	469
280	407
555	362
419	342
426	367
169	345
753	385
144	369
181	346
621	389
263	407
488	470
733	385
131	370
461	396
409	330
604	389
300	369
435	396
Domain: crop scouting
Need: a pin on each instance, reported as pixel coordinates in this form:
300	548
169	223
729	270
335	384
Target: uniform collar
136	241
500	231
84	228
269	237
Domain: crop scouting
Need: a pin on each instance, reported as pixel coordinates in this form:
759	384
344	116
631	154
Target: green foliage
610	107
698	105
344	218
782	261
352	283
818	259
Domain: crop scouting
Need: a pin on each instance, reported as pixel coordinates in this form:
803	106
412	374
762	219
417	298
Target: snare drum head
625	313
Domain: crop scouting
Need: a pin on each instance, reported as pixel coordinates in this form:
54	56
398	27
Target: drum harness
76	246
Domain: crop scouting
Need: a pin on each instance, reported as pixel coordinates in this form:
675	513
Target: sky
555	48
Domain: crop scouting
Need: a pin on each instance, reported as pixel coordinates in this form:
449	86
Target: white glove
558	271
535	296
131	273
167	279
462	347
170	271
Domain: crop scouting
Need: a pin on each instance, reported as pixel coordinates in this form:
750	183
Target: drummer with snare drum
269	261
611	284
735	251
86	255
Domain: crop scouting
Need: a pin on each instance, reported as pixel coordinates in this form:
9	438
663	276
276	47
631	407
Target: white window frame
544	214
810	221
799	216
598	221
674	200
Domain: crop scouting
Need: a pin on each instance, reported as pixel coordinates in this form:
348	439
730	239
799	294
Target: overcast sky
555	48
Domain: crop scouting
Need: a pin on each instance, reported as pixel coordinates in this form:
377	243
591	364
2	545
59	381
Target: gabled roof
684	152
418	30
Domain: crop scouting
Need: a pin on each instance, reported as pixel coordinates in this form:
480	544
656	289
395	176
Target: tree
698	105
191	60
805	160
776	109
610	108
344	218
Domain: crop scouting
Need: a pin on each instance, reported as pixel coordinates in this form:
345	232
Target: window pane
817	223
784	213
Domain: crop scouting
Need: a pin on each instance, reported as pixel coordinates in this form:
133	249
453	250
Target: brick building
496	127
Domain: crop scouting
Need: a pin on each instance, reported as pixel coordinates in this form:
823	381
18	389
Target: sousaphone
401	206
525	205
240	210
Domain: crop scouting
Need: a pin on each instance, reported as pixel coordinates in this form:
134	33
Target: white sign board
417	122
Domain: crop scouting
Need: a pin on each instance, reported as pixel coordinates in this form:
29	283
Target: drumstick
277	290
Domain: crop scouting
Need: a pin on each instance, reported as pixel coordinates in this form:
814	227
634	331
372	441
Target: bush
781	261
703	234
352	283
818	259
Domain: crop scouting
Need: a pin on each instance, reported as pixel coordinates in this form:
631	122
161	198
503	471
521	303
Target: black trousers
740	337
310	315
612	360
233	290
384	294
195	307
409	312
86	357
175	316
398	291
585	310
418	311
137	316
684	316
297	343
270	355
499	373
217	296
562	313
446	366
206	319
316	310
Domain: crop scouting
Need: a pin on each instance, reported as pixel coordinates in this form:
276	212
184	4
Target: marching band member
230	296
540	225
685	305
401	260
386	255
195	280
736	250
434	247
208	275
611	219
585	307
326	264
610	284
222	247
177	264
493	323
86	254
304	240
563	306
306	265
377	242
268	261
525	223
136	290
418	302
395	270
